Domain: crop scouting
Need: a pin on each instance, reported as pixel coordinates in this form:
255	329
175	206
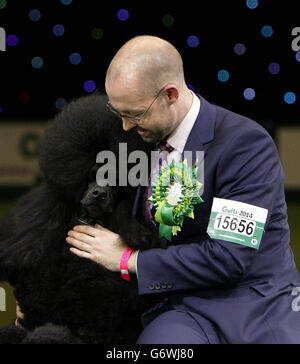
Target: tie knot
165	146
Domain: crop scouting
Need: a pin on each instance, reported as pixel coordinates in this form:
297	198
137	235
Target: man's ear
172	93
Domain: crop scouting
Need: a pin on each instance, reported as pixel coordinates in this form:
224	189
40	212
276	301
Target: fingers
88	229
17	323
81	254
79	244
20	316
19	313
82	238
87	238
92	231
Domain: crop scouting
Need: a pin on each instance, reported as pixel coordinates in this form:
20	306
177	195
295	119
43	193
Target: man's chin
146	136
149	136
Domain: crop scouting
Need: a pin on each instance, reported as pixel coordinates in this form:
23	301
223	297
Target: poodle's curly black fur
52	285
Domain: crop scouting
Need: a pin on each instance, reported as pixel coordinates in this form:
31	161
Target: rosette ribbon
175	193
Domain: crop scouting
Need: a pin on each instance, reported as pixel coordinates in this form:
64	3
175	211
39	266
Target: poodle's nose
99	193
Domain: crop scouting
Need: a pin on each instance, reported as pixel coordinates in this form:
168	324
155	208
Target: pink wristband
124	264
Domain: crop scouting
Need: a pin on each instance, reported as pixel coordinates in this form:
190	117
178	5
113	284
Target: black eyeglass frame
134	119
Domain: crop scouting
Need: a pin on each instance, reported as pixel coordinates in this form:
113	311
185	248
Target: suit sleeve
249	171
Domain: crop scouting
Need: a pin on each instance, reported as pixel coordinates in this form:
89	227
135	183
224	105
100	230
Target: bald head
146	80
145	64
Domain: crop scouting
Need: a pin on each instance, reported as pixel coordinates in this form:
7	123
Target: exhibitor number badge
234	224
237	222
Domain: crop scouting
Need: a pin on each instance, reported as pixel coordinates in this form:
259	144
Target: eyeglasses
134	119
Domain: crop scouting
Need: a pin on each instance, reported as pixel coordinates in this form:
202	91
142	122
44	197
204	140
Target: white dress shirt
180	135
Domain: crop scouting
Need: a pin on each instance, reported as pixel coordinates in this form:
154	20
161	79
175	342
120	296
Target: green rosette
174	195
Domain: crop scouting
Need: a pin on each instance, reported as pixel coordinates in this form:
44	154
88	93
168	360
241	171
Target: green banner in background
19	146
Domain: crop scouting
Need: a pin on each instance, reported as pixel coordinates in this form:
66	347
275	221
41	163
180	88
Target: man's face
157	123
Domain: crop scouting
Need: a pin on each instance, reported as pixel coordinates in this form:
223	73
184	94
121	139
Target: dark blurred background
242	55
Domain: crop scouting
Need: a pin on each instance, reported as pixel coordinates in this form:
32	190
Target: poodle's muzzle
98	201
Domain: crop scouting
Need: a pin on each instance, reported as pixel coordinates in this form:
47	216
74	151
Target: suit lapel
138	203
203	129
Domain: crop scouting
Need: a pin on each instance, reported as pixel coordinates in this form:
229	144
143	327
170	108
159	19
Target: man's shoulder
235	129
218	121
234	122
218	128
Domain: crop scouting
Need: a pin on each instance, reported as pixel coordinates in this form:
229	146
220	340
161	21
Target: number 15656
234	224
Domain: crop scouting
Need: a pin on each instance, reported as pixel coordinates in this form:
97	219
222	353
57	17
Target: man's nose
127	125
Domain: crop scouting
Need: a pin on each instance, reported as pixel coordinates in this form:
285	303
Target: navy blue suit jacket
247	294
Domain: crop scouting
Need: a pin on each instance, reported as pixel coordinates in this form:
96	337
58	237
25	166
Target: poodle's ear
73	139
39	221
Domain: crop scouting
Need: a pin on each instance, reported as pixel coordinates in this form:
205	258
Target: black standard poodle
67	299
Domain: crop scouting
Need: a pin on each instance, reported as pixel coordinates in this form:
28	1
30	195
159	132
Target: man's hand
20	316
101	246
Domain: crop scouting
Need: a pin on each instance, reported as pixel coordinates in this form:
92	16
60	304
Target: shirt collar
180	135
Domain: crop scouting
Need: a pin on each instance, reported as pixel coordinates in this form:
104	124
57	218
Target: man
221	289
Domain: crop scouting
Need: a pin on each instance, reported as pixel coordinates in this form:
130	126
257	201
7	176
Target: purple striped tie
162	147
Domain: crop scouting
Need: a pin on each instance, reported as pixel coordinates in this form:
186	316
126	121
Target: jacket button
158	286
164	285
170	285
151	287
